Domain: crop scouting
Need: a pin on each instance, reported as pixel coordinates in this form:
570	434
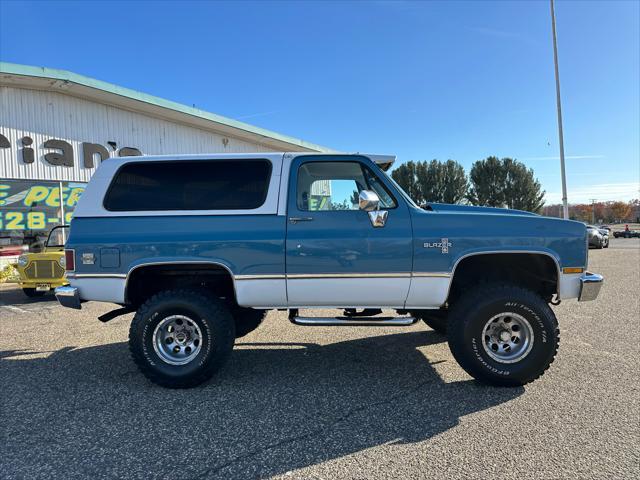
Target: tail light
70	260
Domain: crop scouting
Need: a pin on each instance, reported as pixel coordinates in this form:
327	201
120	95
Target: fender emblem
443	245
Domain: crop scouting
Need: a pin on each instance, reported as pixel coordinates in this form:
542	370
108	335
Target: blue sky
422	80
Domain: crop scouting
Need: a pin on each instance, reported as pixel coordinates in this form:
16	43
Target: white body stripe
265	293
100	289
348	292
428	292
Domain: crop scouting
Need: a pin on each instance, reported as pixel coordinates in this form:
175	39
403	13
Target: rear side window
189	185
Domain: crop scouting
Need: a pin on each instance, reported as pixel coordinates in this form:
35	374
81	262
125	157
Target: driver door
335	257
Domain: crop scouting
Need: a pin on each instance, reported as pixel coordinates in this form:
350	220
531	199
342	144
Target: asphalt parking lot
323	403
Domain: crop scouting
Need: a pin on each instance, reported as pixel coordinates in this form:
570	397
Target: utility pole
593	211
565	205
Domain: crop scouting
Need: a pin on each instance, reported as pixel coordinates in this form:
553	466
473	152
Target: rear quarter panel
244	244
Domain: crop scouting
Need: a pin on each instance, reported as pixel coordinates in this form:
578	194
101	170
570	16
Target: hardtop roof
384	161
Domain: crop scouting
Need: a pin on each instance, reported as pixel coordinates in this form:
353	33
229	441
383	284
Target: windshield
58	236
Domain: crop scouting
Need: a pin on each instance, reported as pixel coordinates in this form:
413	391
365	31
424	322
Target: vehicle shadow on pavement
275	407
13	296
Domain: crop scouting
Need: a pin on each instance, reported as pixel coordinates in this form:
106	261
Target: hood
449	208
475	229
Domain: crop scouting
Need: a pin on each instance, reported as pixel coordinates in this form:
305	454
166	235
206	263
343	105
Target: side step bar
350	322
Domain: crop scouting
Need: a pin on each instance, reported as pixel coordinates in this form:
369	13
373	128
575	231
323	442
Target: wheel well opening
536	272
146	281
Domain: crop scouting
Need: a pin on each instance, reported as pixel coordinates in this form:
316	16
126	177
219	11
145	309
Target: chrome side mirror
378	218
369	202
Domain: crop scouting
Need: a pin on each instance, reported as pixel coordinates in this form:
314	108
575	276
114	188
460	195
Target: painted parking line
12	308
28	307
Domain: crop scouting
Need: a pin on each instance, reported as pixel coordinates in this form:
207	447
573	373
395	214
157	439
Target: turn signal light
70	260
572	270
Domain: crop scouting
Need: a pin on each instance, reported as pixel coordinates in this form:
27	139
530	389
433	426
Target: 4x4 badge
444	245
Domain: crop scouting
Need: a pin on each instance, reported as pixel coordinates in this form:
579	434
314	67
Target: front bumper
68	297
590	284
52	282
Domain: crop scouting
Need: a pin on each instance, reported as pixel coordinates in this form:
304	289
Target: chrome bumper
68	297
590	284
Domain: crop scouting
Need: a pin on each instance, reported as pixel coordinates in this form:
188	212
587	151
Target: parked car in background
596	238
43	271
627	234
605	234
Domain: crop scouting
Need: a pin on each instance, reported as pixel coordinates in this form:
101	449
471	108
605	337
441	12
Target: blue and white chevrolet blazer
200	247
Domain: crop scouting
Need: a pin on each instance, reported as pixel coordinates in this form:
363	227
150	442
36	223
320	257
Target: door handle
300	219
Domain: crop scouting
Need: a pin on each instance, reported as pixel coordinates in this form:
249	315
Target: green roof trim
66	76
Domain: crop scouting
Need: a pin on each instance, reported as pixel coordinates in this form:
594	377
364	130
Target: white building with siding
56	127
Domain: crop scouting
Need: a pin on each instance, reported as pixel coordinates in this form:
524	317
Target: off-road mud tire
212	317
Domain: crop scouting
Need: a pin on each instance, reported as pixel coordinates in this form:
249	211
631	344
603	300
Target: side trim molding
431	275
307	276
96	275
269	276
260	277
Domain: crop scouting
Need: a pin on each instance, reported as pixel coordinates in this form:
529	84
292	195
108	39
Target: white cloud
259	114
567	157
601	192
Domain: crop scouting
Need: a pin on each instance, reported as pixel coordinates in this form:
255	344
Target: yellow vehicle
44	271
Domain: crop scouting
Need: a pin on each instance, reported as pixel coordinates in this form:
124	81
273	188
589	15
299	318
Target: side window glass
190	185
333	195
334	186
327	186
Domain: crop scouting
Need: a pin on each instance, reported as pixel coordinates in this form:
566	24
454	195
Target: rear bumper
590	284
68	297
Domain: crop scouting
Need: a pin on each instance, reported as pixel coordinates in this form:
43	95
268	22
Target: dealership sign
61	152
28	205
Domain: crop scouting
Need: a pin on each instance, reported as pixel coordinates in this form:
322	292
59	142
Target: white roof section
91	203
383	161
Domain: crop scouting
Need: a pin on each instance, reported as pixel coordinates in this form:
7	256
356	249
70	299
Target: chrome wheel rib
508	337
177	340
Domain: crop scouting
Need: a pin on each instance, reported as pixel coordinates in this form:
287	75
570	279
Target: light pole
565	205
